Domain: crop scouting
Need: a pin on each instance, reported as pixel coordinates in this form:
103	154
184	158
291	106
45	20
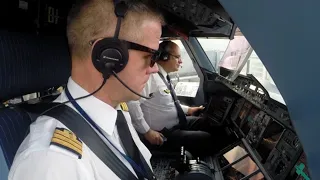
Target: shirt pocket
165	97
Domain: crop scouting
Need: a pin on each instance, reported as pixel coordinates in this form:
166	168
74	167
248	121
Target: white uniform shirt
36	159
157	112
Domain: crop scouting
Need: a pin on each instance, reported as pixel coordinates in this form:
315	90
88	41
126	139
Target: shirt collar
100	112
162	71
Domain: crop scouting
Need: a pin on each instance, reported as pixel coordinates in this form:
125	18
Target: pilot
42	156
164	118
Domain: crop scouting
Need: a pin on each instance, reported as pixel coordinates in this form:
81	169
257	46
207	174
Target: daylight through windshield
239	58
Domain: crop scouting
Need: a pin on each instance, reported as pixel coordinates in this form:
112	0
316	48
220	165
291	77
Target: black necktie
131	148
181	115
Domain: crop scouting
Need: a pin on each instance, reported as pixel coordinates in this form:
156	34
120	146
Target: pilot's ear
93	42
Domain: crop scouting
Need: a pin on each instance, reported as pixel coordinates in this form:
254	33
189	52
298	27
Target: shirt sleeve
47	165
137	117
185	108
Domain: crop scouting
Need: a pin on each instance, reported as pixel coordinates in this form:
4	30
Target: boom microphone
115	75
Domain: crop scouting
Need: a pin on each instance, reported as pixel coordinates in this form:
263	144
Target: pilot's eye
147	59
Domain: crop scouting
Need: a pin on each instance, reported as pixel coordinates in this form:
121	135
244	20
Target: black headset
163	48
110	55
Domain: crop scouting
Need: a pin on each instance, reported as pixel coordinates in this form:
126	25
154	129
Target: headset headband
120	11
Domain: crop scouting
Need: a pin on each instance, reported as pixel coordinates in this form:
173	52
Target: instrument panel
250	89
266	127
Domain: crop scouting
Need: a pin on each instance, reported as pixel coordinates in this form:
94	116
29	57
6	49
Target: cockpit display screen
269	139
246	124
243	113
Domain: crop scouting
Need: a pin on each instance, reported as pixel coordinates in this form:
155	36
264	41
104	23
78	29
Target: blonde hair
93	19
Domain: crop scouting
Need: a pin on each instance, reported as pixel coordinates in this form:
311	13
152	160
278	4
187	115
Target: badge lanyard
91	122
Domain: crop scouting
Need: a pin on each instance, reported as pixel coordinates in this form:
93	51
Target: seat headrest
32	63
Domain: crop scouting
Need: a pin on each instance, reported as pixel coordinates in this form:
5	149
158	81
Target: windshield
237	57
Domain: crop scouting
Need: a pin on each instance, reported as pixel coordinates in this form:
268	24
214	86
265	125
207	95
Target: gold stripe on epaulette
68	134
70	141
67	140
124	106
167	91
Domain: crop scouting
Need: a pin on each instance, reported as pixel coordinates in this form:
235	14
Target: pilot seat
28	63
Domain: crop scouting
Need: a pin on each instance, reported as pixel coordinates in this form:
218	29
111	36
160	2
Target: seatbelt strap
181	115
78	125
130	146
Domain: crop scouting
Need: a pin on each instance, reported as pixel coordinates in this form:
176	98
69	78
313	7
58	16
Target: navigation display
243	113
246	124
269	139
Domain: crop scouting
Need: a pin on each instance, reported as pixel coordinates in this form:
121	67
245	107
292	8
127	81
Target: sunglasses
155	54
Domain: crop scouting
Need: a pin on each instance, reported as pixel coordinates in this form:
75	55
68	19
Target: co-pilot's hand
154	137
193	110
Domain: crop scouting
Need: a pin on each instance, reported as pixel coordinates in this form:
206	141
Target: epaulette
124	106
66	139
167	91
60	89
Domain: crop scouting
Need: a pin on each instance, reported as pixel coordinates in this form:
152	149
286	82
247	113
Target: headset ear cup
109	55
167	56
164	56
163	49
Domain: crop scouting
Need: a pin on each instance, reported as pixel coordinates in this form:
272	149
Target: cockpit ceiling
199	18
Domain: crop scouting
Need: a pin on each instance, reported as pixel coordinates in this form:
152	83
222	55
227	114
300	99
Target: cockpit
221	70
